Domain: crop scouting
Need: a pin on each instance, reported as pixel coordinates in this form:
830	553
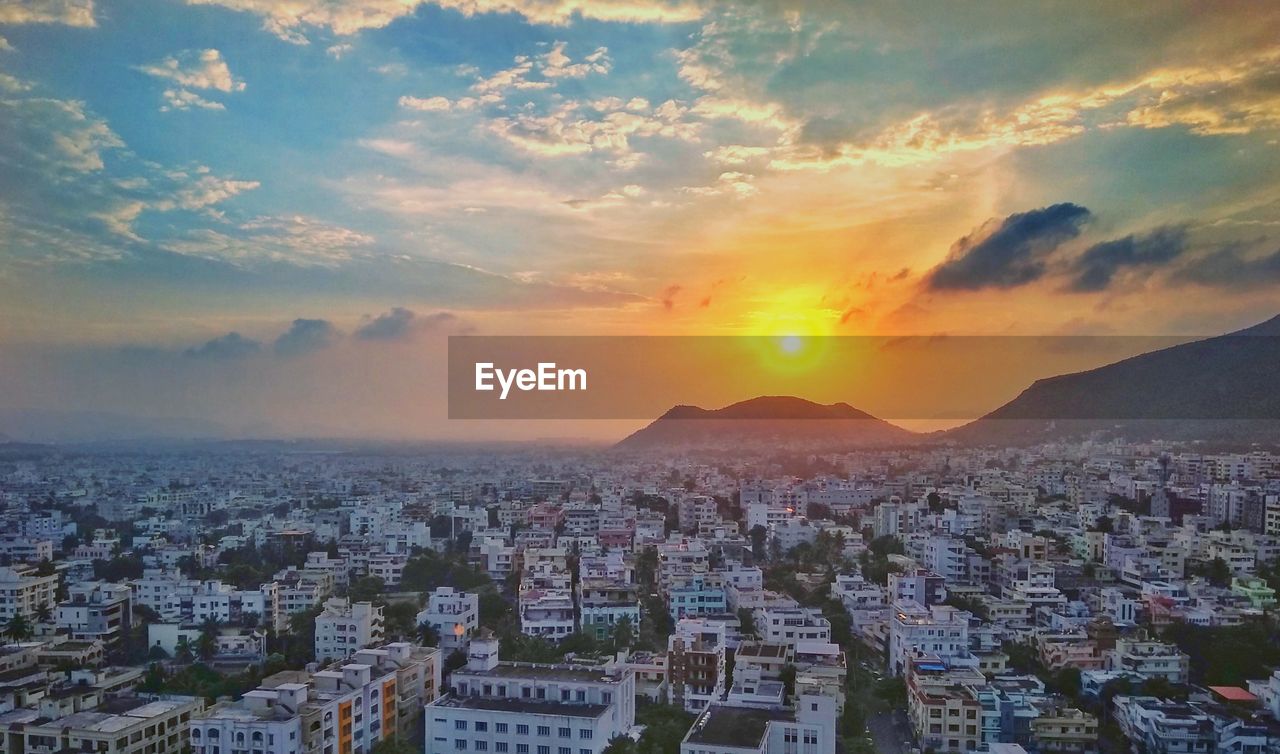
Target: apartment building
345	627
23	591
454	615
345	708
125	724
792	625
808	728
603	603
696	653
523	708
1150	660
915	629
96	610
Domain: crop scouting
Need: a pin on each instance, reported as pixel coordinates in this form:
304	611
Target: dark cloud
393	325
1095	268
401	323
233	345
305	336
1009	253
1231	267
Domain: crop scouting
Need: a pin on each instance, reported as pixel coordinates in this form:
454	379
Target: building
940	630
122	725
23	592
696	654
345	708
454	615
344	627
1150	660
603	603
547	613
96	610
523	708
809	728
792	625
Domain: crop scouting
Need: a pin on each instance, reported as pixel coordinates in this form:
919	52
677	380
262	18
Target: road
890	730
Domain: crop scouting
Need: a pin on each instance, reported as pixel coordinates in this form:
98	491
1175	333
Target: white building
344	627
521	708
809	728
914	629
454	615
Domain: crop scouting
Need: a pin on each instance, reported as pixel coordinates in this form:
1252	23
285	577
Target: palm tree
182	650
19	628
43	613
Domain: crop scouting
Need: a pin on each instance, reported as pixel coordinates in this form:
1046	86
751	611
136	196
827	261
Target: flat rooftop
741	727
582	673
522	706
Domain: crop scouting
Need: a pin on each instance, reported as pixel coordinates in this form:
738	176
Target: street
890	731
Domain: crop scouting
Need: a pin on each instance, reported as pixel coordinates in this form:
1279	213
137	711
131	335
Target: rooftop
522	706
741	727
533	670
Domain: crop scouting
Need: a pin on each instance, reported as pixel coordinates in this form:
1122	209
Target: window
460	744
544	730
565	732
481	726
522	748
500	746
522	730
482	745
544	750
460	724
585	734
500	727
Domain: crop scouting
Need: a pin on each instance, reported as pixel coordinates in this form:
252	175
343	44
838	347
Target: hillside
1219	389
767	419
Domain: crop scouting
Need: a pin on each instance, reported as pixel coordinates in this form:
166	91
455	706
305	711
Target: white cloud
196	69
67	12
336	51
13	84
182	99
292	20
5	46
296	240
58	134
430	104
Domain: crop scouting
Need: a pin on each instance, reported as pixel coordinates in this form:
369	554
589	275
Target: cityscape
639	377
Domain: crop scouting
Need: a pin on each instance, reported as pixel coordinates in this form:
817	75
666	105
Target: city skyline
272	215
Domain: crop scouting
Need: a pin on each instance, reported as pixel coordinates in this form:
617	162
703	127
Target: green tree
623	634
183	651
18	628
44	614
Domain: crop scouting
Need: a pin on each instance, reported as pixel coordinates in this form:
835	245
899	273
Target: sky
271	214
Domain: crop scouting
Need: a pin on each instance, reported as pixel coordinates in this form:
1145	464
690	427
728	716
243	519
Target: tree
182	651
366	589
788	677
746	621
18	629
623	634
620	745
44	613
1218	572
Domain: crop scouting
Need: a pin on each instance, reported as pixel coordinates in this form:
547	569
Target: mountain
1221	389
766	419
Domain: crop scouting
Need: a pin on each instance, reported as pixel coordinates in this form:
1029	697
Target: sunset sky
271	213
